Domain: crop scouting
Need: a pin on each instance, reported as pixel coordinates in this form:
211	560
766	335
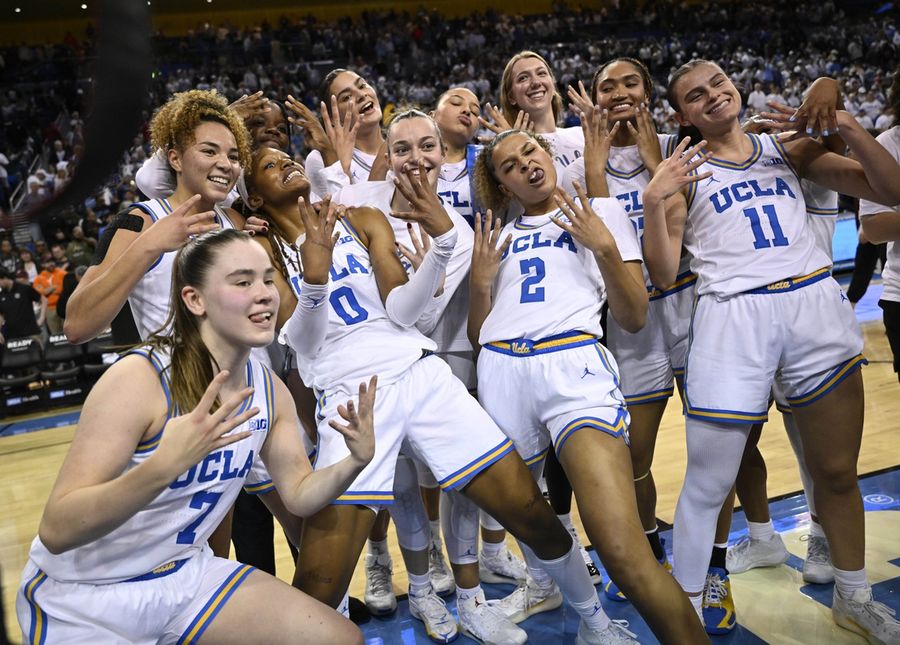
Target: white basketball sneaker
751	554
860	613
503	568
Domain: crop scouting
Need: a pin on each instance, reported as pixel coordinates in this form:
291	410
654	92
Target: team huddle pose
391	300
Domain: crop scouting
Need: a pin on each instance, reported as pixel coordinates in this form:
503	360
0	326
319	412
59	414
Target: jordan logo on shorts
587	371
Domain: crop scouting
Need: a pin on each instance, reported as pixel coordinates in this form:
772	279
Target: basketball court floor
773	605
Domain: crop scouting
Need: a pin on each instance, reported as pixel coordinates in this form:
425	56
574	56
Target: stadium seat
20	375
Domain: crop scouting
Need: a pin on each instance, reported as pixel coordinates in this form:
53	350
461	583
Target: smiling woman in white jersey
414	137
763	291
121	553
356	312
205	144
355	99
543	374
651	361
528	85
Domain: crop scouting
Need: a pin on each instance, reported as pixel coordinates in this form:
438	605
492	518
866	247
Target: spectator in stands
27	264
49	284
17	316
81	249
885	120
9	259
58	250
70	282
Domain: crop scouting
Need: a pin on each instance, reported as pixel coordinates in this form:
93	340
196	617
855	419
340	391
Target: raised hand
254	225
817	115
597	138
190	437
421	245
497	123
486	255
644	134
249	105
170	233
425	205
341	130
315	134
583	223
359	431
317	246
674	173
580	98
523	122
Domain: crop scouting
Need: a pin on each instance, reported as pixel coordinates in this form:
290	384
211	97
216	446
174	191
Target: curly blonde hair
484	176
173	125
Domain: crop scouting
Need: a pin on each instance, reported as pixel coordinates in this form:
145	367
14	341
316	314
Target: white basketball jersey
150	299
179	521
890	274
361	340
747	225
445	319
454	189
626	179
822	208
567	144
548	283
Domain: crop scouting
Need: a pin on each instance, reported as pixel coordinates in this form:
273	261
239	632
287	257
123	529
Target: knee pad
408	511
459	521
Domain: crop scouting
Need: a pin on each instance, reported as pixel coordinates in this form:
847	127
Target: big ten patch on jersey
749	219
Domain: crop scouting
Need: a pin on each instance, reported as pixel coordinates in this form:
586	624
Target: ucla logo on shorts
255	425
778	286
523	346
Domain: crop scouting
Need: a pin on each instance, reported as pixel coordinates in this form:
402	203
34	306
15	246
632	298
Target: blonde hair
173	125
511	111
484	176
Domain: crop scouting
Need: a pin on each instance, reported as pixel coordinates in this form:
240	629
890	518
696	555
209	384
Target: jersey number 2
759	237
530	291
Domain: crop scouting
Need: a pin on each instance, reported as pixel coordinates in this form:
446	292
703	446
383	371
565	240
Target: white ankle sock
491	549
344	608
761	530
419	585
463	595
846	582
815	529
378	548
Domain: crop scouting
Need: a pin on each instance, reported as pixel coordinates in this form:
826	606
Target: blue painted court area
881	493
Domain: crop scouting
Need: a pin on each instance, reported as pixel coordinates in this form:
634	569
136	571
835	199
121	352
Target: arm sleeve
154	178
305	330
406	304
457	270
